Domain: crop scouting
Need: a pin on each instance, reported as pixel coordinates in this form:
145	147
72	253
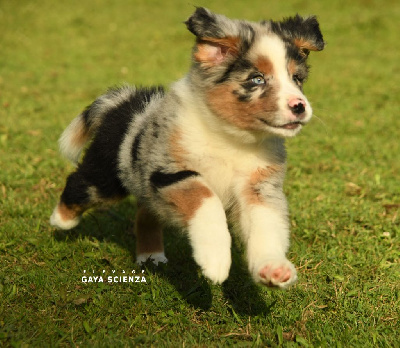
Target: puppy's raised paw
277	273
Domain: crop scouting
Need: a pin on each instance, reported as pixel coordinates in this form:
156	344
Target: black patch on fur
86	117
240	65
203	23
99	167
75	191
156	128
300	28
136	145
227	74
159	179
242	97
292	52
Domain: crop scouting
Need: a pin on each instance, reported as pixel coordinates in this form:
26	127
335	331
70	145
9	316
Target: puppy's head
251	74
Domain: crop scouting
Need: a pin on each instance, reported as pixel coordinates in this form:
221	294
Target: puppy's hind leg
149	237
79	195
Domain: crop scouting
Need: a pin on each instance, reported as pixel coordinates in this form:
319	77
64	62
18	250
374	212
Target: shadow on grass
182	272
242	292
116	225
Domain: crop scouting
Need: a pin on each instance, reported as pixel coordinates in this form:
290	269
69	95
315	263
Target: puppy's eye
297	79
258	80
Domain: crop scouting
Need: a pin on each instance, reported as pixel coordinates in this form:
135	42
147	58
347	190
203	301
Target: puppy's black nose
297	106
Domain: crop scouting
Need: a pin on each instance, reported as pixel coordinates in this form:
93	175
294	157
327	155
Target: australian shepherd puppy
211	146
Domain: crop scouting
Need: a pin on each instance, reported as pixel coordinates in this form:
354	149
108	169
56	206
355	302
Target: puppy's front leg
267	244
203	215
265	228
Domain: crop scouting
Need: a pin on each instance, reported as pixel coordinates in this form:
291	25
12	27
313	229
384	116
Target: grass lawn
343	186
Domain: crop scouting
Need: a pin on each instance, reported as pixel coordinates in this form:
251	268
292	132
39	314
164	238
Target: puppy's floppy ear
212	52
303	32
213	44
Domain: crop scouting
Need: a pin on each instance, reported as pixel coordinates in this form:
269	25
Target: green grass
342	184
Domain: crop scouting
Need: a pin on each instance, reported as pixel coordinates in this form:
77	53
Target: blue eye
258	80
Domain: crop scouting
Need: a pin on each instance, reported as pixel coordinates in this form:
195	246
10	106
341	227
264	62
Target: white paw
279	273
155	258
57	220
215	263
210	239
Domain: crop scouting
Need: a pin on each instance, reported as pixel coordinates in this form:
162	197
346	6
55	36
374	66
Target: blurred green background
342	184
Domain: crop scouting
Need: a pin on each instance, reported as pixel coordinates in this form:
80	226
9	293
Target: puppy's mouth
289	125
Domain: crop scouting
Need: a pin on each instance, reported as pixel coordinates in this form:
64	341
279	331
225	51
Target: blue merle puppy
210	147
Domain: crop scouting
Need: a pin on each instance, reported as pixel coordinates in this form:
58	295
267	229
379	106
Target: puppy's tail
83	127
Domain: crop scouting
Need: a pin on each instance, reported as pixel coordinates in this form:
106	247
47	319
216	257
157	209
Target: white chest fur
224	160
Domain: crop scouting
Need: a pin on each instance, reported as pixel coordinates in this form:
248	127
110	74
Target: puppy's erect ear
216	37
303	32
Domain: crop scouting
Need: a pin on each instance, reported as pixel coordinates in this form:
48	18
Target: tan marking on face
243	114
264	65
148	230
187	198
69	212
211	51
251	191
